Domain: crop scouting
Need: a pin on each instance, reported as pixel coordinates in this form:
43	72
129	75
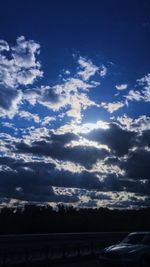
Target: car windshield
134	239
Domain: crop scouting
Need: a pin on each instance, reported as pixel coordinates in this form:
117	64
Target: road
85	263
31	250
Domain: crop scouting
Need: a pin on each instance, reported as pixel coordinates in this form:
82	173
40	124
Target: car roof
142	233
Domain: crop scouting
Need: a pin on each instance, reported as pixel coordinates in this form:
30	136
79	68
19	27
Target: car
133	250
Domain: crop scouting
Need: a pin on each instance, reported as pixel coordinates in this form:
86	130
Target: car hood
123	248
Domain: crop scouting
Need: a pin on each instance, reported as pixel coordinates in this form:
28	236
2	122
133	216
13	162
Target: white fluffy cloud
58	96
4	45
82	128
29	116
71	95
112	107
47	120
88	68
145	83
19	66
121	86
142	94
140	124
77	103
134	95
9	101
125	121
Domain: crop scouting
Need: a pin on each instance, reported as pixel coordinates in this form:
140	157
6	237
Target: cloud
86	198
112	107
24	53
121	86
29	116
144	139
68	95
103	71
79	197
88	68
74	85
145	83
59	96
47	96
134	95
30	187
81	128
4	46
125	121
8	125
62	147
55	148
42	183
140	124
47	120
37	181
92	174
108	167
137	164
10	100
67	158
78	103
143	94
117	139
81	190
19	66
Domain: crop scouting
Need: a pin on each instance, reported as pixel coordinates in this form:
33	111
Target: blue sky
74	103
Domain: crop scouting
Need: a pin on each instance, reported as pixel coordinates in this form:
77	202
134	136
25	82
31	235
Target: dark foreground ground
83	263
89	263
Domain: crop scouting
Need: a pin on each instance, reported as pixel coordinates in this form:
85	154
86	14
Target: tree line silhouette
45	219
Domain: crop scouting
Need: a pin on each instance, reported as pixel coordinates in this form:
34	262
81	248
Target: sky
75	103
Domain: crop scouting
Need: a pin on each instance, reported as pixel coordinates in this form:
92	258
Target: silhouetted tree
45	219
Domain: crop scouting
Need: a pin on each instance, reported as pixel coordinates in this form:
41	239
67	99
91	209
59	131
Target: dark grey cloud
62	139
144	138
31	185
33	181
55	148
136	176
117	139
50	94
112	183
137	164
132	202
80	180
7	97
22	180
47	96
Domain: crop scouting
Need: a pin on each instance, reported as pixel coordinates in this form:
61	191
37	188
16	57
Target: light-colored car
133	250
